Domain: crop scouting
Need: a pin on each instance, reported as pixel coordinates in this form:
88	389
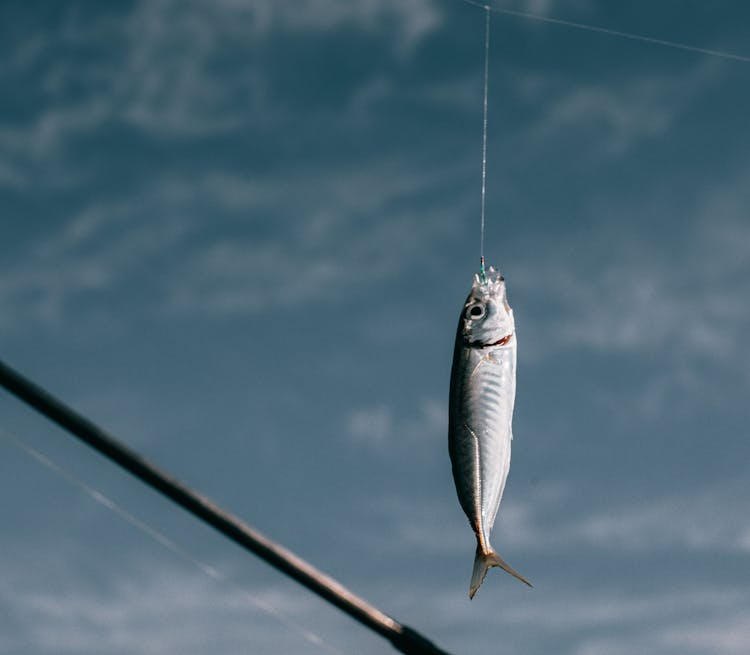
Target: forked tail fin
483	562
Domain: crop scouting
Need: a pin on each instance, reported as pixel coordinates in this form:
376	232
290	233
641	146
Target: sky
238	235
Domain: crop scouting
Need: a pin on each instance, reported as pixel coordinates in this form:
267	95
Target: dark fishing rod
402	637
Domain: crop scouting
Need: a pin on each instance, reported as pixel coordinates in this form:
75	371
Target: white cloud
700	622
679	298
98	250
167	71
711	519
592	621
606	119
336	232
549	519
547	7
409	21
372	426
728	634
379	426
165	611
620	610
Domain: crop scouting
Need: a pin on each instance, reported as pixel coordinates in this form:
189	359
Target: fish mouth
503	341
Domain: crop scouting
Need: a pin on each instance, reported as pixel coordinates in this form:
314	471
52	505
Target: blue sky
238	235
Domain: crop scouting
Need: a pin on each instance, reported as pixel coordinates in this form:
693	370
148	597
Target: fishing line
166	542
723	54
484	138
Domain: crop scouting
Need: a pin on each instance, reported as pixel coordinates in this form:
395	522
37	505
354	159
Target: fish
480	413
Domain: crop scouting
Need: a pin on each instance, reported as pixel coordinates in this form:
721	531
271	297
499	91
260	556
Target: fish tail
483	562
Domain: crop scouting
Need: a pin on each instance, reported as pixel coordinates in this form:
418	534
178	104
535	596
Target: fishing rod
403	638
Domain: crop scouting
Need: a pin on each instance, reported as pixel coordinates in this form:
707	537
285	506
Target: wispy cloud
409	20
372	426
607	119
677	297
705	520
97	251
728	633
166	611
594	621
669	622
549	518
165	243
179	71
380	427
545	6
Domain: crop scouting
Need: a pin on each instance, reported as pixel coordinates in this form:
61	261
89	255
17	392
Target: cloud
380	427
172	611
704	520
720	635
166	611
551	518
409	21
711	627
619	610
728	634
372	426
340	230
98	250
605	119
548	6
353	235
675	298
181	71
593	621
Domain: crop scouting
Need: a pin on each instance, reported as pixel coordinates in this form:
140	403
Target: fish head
487	319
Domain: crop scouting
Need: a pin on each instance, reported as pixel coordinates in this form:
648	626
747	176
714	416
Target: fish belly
482	395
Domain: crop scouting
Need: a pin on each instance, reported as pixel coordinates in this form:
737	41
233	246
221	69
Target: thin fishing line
723	54
166	542
484	137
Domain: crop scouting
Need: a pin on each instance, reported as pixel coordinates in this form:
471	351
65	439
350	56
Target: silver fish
482	394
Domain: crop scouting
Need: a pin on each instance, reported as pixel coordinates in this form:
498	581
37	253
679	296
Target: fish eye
475	311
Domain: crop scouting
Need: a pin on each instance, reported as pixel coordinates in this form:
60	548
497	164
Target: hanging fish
482	394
